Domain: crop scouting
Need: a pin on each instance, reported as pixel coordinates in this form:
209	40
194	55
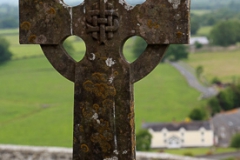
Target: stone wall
11	152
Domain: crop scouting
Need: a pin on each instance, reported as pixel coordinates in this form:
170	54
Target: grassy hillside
223	64
36	103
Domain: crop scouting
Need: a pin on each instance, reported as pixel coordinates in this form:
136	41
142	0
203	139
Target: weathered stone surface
157	21
103	97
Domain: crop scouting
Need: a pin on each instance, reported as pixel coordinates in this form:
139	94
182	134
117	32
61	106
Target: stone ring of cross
103	96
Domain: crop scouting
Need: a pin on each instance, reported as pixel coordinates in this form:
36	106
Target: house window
182	134
182	140
202	140
202	133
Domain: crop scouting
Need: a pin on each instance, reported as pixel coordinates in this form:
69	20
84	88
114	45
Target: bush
143	138
235	141
197	114
226	33
189	154
176	52
5	54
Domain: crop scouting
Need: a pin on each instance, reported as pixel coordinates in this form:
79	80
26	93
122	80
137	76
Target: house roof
190	126
227	119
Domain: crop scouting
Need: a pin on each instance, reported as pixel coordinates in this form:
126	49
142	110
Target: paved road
193	81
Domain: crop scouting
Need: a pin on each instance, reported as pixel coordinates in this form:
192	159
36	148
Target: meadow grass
200	12
9	31
199	151
204	31
221	64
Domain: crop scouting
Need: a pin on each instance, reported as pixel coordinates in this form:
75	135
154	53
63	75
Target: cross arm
60	60
147	61
44	21
160	21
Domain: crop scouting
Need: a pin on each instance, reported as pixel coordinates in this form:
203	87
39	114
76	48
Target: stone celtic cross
103	97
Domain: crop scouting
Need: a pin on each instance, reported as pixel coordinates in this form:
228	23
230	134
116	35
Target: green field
222	64
204	31
199	151
36	103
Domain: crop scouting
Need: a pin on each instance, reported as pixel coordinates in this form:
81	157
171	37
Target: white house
180	135
201	40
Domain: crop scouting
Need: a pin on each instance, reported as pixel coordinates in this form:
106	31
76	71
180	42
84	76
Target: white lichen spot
111	79
124	152
166	41
112	158
116	152
92	56
98	121
175	3
84	10
63	4
95	116
121	2
138	24
127	7
105	1
110	62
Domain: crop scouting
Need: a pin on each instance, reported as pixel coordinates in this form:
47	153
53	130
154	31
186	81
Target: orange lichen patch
88	86
32	38
25	25
112	91
87	113
107	103
105	146
95	138
103	90
179	34
74	140
151	24
96	107
84	148
51	11
108	136
81	128
115	73
99	77
100	90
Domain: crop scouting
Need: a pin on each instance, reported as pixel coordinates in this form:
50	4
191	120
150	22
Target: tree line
214	4
9	16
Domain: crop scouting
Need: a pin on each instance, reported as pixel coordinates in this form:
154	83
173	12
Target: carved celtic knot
102	21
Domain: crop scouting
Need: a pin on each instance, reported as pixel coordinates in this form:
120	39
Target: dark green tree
195	24
226	99
5	54
214	106
199	71
176	52
143	140
225	33
197	114
235	141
